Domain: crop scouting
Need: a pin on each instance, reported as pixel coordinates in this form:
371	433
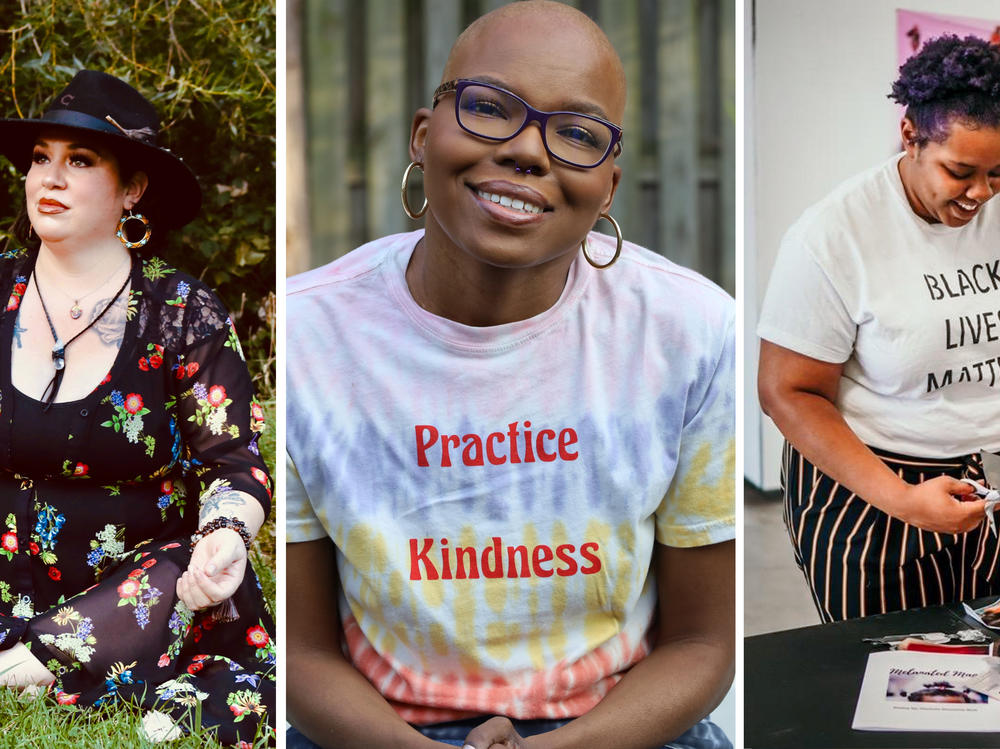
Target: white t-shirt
494	493
911	308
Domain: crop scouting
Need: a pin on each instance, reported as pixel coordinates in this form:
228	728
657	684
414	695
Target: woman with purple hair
880	354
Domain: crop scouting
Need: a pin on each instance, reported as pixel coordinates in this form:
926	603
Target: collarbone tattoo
111	327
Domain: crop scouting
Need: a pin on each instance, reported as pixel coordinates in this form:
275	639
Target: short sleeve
219	416
699	507
301	523
805	308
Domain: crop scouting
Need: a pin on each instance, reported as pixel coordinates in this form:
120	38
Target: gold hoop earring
618	249
402	192
121	230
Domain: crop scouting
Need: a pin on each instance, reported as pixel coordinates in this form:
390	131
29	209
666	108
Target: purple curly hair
950	79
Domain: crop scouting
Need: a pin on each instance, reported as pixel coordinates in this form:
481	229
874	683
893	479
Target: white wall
818	113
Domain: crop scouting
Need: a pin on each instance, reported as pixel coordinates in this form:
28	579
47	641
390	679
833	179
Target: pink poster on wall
913	29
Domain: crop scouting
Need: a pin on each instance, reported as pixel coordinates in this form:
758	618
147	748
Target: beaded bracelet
213	525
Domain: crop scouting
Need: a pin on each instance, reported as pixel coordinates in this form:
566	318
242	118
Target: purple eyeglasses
494	113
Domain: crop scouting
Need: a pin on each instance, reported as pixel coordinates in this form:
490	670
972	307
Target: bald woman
510	511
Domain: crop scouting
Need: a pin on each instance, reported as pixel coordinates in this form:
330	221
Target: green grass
43	724
262	552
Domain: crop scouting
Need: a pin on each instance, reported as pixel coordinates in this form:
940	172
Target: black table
801	686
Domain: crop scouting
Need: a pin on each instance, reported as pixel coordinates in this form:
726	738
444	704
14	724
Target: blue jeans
703	735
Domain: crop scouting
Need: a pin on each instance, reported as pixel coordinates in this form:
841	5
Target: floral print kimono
99	498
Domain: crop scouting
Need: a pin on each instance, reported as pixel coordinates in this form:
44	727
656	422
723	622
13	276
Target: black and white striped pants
860	561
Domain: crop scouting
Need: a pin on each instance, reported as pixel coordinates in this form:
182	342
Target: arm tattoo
217	501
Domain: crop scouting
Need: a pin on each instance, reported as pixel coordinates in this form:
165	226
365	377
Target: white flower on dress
132	427
24	608
71	644
216	420
112	546
180	691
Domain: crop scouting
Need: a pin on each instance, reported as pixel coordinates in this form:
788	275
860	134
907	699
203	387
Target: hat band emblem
143	134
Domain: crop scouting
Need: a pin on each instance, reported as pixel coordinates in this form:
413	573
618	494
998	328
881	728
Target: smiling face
948	182
74	190
480	205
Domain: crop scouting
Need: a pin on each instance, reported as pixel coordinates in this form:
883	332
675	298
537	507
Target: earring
121	230
402	192
31	231
618	249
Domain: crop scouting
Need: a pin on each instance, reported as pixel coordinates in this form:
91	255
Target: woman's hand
219	559
652	705
216	569
799	394
496	733
328	699
932	506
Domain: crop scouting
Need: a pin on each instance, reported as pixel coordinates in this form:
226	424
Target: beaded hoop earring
121	230
618	249
402	194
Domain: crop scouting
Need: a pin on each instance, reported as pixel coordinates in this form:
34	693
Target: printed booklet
912	691
988	615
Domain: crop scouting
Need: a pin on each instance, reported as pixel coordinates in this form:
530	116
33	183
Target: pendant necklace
59	348
76	311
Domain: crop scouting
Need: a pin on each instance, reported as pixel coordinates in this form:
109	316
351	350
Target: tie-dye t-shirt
494	493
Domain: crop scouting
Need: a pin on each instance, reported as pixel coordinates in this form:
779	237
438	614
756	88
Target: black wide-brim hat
105	107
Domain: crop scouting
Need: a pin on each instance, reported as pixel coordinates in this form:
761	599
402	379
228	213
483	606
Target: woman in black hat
130	480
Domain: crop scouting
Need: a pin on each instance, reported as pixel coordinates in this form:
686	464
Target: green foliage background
209	68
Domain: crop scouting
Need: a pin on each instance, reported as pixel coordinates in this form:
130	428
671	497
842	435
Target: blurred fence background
357	71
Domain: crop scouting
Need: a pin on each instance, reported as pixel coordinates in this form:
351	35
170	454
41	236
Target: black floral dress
99	498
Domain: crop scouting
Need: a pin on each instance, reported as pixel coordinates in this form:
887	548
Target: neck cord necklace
59	349
76	311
